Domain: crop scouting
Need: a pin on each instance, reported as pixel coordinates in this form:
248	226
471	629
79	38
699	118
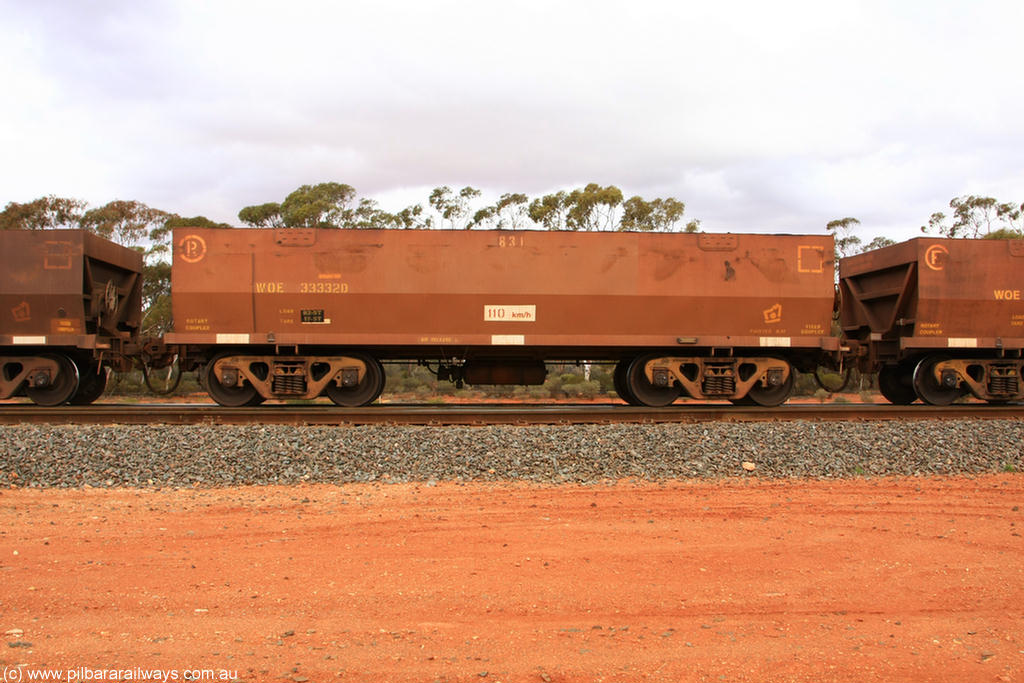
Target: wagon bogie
238	378
766	381
20	372
994	380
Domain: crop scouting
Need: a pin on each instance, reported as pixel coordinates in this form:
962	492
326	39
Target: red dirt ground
856	580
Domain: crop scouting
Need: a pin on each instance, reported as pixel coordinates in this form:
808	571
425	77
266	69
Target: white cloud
760	116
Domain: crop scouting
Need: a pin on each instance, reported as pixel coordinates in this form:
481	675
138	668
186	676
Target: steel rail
485	414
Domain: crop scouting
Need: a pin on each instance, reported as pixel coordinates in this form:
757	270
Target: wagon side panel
535	289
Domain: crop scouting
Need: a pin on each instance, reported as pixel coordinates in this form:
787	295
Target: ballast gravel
213	456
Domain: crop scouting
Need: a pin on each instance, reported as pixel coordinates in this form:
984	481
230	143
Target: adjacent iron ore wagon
299	313
70	306
938	318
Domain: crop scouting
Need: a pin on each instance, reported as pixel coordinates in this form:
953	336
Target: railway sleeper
292	377
996	380
766	380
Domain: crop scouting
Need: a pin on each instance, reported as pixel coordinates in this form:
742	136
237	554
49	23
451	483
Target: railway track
485	414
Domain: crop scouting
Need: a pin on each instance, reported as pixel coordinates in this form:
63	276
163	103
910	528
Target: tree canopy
40	214
262	215
978	217
318	206
589	208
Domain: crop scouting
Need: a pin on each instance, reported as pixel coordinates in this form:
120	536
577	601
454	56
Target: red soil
857	580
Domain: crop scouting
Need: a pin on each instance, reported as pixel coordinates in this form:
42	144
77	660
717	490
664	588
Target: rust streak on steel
433	415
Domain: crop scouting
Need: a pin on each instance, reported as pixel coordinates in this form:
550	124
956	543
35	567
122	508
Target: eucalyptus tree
266	215
978	217
842	230
44	213
453	208
510	212
593	208
655	215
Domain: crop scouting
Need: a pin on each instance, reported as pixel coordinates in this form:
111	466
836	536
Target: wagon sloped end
70	307
938	319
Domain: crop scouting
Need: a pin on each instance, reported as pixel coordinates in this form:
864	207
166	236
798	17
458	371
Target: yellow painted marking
64	326
510	314
810	258
322	287
192	248
58	256
935	257
511	241
22	312
773	315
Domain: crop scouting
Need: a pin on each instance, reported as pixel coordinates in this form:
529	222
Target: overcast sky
760	116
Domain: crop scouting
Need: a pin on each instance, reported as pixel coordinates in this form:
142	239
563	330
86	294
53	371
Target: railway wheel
364	393
642	390
769	397
92	382
621	384
61	388
896	383
929	389
229	397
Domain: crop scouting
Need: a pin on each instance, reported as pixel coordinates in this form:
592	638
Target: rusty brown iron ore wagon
938	318
70	306
300	313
